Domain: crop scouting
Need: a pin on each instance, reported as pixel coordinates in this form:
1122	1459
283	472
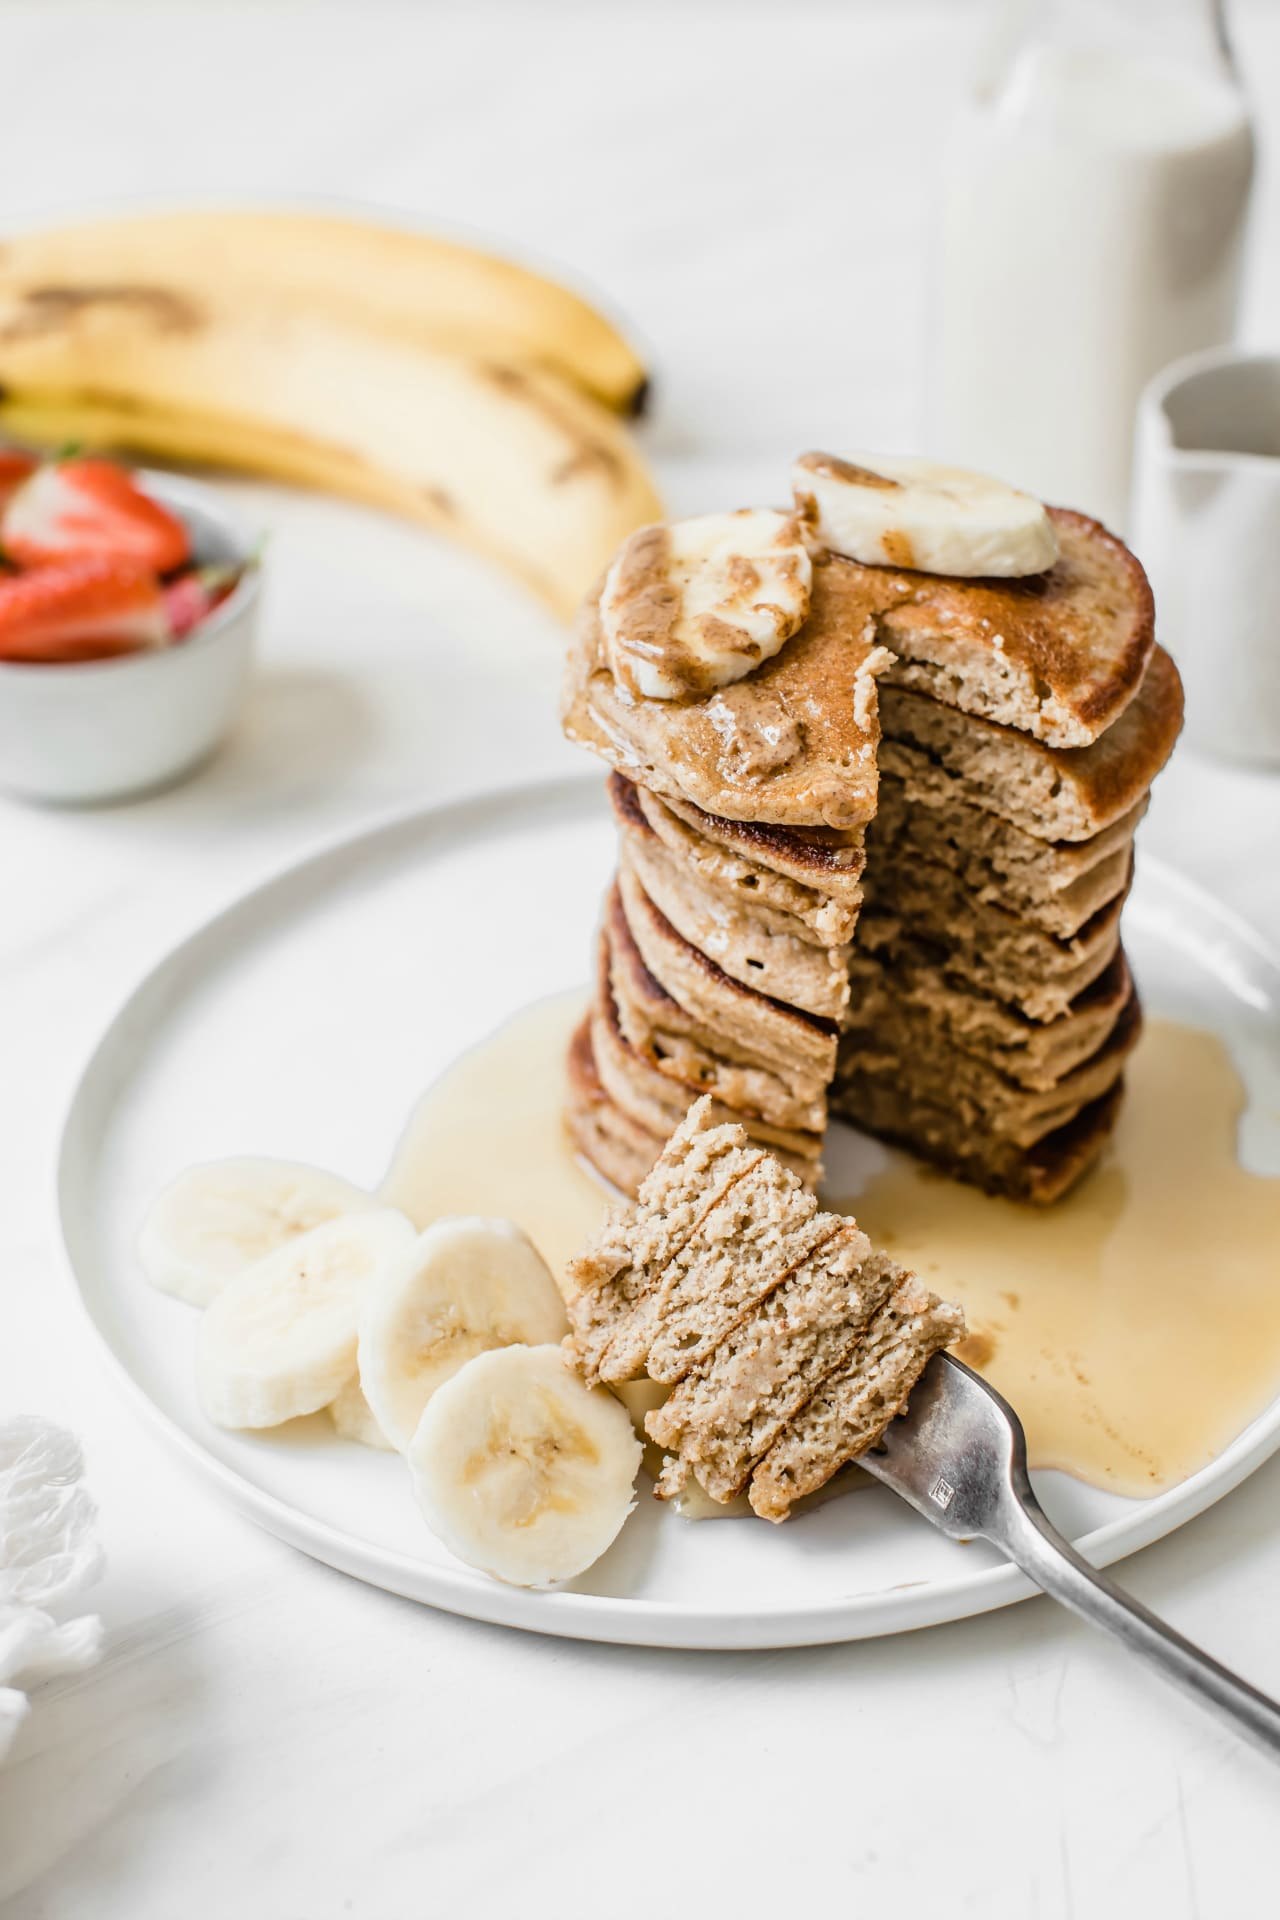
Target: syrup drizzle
1135	1325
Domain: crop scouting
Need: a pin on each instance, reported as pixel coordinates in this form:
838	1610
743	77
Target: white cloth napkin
48	1554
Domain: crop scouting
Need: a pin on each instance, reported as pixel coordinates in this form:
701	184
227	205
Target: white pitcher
1092	221
1206	525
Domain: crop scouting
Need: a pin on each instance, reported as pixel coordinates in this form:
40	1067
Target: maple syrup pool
1135	1325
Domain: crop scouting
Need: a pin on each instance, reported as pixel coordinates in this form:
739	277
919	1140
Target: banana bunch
399	369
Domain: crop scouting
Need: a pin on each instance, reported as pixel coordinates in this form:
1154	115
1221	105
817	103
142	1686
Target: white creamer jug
1206	522
1092	219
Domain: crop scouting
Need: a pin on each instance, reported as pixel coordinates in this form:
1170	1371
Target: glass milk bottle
1093	213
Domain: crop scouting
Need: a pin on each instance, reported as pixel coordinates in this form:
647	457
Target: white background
751	184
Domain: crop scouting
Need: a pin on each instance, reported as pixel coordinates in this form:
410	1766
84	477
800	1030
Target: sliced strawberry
15	467
84	507
81	610
192	597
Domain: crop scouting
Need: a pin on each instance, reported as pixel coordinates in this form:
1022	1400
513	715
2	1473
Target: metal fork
959	1455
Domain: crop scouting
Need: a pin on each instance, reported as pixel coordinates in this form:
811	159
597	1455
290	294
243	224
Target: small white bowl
95	730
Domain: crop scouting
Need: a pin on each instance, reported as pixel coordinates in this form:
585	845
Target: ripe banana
417	287
521	1470
353	1417
214	1220
466	1285
904	511
508	458
280	1339
695	605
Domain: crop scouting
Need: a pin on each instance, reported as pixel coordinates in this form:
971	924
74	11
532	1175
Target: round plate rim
560	1613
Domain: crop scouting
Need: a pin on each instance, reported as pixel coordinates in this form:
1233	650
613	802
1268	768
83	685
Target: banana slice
280	1339
216	1219
353	1418
903	511
465	1286
695	605
521	1470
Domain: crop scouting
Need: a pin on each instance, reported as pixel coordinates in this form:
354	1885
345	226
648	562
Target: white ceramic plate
307	1019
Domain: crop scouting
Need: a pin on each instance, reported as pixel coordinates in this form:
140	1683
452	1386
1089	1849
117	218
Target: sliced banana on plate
692	606
280	1339
218	1218
353	1418
523	1471
904	511
465	1286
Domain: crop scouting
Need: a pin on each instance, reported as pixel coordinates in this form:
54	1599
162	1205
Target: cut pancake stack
991	1010
884	866
787	1342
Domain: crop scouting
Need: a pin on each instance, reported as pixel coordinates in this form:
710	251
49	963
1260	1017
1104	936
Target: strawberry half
81	610
83	507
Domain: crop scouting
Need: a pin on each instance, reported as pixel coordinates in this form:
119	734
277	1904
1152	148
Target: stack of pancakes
884	869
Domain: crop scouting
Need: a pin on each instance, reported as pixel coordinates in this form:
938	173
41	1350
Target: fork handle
1035	1545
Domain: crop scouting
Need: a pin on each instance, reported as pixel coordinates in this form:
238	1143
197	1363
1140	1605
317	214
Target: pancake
619	1332
935	1133
764	1227
690	1174
781	1035
807	911
828	861
614	1144
927	1069
758	949
944	757
720	1421
731	903
690	1051
1003	956
1053	886
656	1100
1031	1053
1058	655
854	1405
617	1145
1007	850
792	745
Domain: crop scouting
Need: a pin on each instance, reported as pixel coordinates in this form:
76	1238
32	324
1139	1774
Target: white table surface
267	1738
